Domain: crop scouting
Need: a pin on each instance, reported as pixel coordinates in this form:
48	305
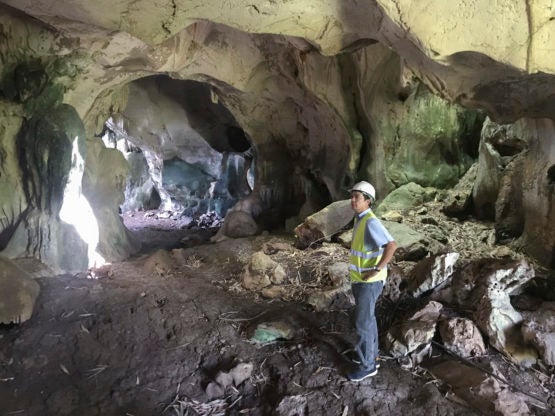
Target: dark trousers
366	295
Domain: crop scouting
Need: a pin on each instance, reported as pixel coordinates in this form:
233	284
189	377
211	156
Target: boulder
412	245
338	274
485	286
461	336
407	335
18	293
322	225
407	196
328	299
507	275
237	224
262	271
431	272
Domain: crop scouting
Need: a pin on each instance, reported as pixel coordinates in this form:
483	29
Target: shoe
353	356
361	374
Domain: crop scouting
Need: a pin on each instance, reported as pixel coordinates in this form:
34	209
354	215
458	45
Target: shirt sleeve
376	235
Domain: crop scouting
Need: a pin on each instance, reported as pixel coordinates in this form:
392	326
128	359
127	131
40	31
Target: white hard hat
364	187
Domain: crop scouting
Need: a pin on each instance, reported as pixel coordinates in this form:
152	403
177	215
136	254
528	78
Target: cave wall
328	99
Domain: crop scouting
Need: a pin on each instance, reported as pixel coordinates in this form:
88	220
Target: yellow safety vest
362	260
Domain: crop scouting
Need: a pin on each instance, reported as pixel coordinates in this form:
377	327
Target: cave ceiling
497	56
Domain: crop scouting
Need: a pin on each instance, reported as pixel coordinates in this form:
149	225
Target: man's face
358	203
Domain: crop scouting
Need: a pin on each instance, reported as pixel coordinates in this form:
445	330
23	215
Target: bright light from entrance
77	211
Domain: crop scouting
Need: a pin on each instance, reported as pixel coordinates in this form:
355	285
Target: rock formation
325	93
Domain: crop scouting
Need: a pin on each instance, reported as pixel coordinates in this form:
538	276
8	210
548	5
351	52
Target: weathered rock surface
461	336
237	224
321	225
539	329
331	299
482	392
406	196
22	292
485	286
431	272
419	329
262	271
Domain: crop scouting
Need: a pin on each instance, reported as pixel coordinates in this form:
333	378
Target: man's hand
369	274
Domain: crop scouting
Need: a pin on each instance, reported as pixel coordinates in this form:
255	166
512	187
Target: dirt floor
136	339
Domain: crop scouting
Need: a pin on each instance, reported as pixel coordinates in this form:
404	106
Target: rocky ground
150	336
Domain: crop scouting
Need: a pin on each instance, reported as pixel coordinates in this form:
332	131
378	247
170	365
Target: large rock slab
322	225
18	293
431	272
407	196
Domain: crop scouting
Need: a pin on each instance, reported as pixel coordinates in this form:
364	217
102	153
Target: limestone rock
214	390
224	379
393	216
482	392
321	225
338	273
498	146
461	336
459	199
539	330
241	372
272	247
255	281
485	286
407	196
236	376
431	272
237	224
427	121
262	271
330	299
396	278
412	245
18	293
273	291
505	275
293	406
406	336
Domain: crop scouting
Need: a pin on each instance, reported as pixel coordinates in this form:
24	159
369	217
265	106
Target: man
372	248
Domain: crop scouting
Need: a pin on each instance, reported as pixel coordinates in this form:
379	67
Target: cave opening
189	159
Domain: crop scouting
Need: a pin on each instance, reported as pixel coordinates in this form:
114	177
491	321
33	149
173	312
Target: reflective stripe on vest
361	260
